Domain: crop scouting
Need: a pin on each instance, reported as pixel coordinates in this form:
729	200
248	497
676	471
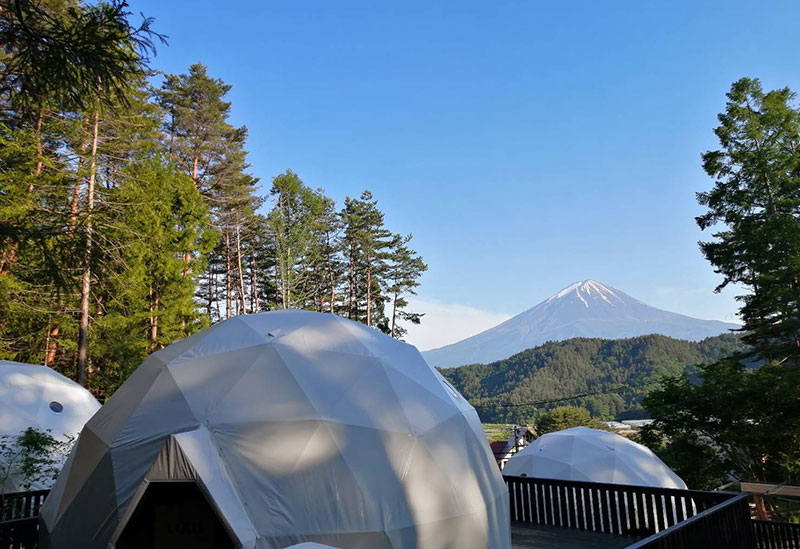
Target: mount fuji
582	309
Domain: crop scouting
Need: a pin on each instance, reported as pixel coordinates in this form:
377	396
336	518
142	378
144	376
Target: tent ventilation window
56	407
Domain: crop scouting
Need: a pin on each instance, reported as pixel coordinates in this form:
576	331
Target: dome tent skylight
296	426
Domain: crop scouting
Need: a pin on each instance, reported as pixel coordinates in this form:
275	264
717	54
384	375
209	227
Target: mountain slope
578	366
583	309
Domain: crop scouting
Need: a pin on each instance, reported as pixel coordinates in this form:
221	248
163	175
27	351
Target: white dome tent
591	455
295	427
41	398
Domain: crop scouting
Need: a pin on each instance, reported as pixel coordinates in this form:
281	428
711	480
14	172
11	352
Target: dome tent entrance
592	455
297	427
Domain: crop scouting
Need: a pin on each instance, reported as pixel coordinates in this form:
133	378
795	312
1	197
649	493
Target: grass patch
497	431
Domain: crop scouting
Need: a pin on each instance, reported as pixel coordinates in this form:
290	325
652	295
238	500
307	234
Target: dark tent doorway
174	515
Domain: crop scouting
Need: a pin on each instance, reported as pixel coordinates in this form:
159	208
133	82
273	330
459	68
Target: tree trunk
195	161
72	222
39	149
209	282
394	313
154	303
331	276
76	194
52	335
227	273
369	292
241	270
286	279
351	276
83	327
253	285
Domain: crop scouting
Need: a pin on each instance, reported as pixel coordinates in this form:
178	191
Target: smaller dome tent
292	427
592	455
39	397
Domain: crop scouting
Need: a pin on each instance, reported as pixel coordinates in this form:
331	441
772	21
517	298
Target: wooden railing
19	519
726	525
610	508
21	505
776	535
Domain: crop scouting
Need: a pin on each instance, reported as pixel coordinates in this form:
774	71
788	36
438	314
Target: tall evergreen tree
749	418
297	209
402	277
367	243
200	138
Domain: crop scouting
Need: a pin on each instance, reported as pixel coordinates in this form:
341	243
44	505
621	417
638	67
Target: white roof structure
297	427
592	455
39	397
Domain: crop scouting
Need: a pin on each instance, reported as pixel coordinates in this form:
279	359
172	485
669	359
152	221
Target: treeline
619	371
129	216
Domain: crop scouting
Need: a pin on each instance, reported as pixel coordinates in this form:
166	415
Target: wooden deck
552	537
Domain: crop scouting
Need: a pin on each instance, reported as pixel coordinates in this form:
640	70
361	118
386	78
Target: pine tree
402	276
292	222
756	198
367	242
199	138
148	302
746	409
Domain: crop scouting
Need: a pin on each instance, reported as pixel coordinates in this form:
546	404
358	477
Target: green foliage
626	368
295	222
566	417
402	274
746	420
756	201
129	217
33	456
77	55
147	290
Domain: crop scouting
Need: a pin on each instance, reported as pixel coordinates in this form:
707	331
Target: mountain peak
586	308
587	291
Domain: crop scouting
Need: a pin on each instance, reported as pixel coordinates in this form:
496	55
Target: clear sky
525	144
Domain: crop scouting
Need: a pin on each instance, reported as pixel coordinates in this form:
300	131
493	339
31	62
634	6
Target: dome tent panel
267	389
111	418
191	375
344	387
81	464
317	438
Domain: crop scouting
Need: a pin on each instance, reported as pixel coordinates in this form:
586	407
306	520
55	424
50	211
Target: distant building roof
617	425
498	448
637	423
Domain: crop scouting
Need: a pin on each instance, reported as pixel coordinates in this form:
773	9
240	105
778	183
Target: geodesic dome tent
293	427
41	398
592	455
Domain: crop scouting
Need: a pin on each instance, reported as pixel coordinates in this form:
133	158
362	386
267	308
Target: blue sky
526	144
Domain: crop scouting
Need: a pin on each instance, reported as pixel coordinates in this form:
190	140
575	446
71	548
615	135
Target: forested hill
582	365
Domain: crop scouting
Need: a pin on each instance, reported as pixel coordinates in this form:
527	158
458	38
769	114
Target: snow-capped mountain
582	309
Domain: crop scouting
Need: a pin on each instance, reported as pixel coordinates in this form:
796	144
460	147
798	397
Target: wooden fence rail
19	519
611	508
725	525
776	535
21	505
